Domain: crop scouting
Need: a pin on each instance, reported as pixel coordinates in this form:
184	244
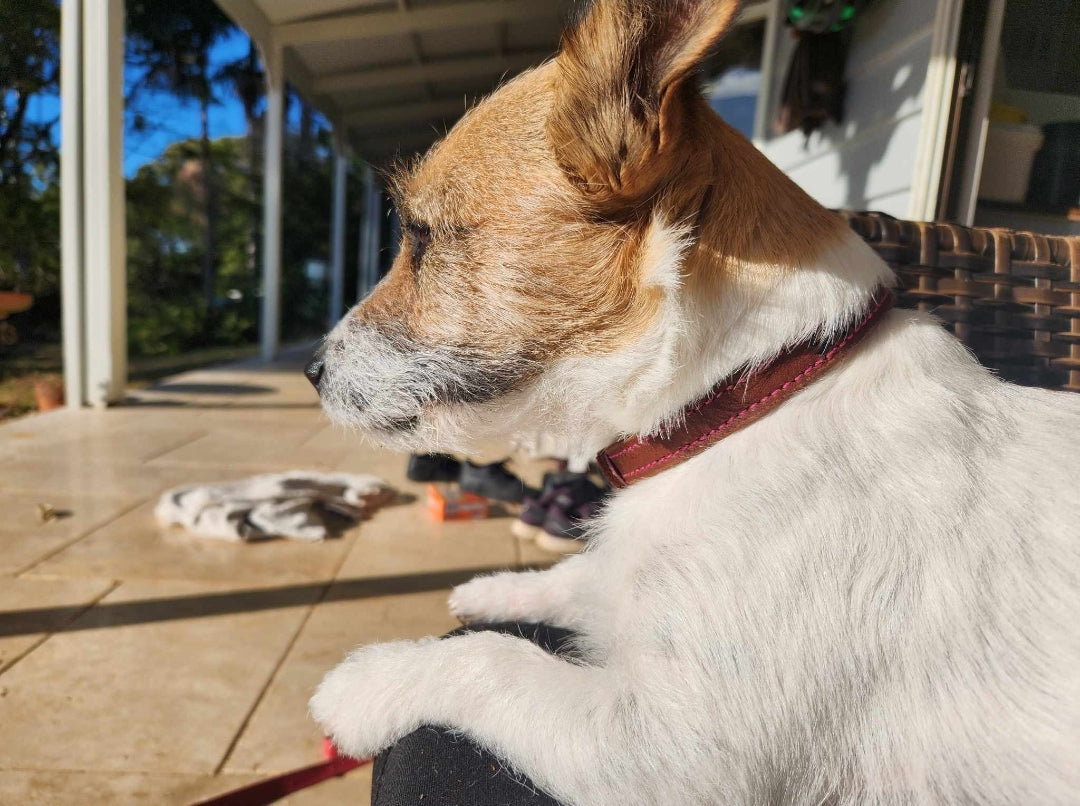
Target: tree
169	48
244	79
167	312
29	202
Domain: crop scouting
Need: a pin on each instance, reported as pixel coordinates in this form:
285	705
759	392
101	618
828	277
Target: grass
25	364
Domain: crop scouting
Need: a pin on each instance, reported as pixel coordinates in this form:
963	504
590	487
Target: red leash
269	790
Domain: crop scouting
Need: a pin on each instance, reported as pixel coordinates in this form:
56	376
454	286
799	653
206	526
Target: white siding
868	160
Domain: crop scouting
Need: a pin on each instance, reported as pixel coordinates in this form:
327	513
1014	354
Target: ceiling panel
380	96
327	58
473	88
400	99
280	11
458	41
533	34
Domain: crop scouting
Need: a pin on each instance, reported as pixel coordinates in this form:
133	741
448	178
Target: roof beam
753	11
371	24
249	17
298	75
380	149
390	117
413	73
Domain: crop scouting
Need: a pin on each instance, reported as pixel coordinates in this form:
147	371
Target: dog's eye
419	238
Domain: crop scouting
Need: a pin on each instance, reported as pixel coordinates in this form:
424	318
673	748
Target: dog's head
538	239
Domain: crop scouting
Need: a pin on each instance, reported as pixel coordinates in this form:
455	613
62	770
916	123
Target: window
733	76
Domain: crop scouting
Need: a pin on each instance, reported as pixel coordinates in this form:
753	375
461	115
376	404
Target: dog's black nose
314	371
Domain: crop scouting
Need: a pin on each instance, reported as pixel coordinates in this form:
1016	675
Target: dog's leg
529	596
565	726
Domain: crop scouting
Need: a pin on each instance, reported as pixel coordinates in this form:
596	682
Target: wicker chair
1012	297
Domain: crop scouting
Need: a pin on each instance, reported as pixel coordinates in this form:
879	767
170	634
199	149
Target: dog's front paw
485	600
370	700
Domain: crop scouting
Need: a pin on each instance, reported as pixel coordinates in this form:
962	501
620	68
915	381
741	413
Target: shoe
535	507
563	531
566	530
492	481
432	467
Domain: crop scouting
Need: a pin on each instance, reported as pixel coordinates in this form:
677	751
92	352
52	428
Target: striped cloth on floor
300	505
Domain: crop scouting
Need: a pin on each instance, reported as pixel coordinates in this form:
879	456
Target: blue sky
167	118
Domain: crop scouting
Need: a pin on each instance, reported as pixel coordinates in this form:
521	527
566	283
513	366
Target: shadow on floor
238	389
143	403
174	608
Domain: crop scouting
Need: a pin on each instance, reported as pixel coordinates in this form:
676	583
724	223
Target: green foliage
169	44
29	197
194	214
306	234
167	311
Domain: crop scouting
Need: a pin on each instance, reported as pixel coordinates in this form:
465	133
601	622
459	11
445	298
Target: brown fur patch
535	207
515	261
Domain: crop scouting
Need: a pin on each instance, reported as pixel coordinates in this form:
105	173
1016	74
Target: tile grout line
174	447
219	769
246	721
113	585
95	528
98	771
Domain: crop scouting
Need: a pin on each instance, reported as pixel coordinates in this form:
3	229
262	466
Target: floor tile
30	608
232	386
206	650
55	476
281	734
135	546
96	446
529	555
25	537
167	695
73	788
270	448
406	540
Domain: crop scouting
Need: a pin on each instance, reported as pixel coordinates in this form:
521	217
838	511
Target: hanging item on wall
814	88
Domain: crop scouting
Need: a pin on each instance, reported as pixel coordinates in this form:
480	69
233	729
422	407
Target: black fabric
432	767
814	87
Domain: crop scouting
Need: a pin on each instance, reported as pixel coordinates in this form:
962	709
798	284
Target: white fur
866	597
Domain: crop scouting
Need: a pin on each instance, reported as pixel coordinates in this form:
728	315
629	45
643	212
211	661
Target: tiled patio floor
144	666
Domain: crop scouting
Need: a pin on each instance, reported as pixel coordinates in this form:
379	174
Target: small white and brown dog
868	596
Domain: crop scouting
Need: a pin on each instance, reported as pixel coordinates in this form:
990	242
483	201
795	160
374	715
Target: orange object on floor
448	502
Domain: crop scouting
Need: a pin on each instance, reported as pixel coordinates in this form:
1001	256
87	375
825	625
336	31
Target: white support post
103	206
270	332
774	29
937	111
337	234
71	201
370	234
361	251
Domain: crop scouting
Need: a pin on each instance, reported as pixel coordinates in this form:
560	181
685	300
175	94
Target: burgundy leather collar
733	404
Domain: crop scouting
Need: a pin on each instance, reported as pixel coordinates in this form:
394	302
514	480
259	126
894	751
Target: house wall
867	162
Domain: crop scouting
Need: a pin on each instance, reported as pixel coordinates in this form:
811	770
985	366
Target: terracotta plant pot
49	394
14	302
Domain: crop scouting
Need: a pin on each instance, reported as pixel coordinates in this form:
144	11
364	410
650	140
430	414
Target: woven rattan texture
1012	297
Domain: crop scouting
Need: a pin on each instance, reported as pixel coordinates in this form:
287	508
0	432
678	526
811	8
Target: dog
866	595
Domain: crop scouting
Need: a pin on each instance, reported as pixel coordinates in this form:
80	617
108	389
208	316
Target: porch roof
393	75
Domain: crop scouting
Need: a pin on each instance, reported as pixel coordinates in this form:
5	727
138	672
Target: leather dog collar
733	404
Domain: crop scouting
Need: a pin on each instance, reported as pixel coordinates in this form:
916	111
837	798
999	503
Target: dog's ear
626	78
